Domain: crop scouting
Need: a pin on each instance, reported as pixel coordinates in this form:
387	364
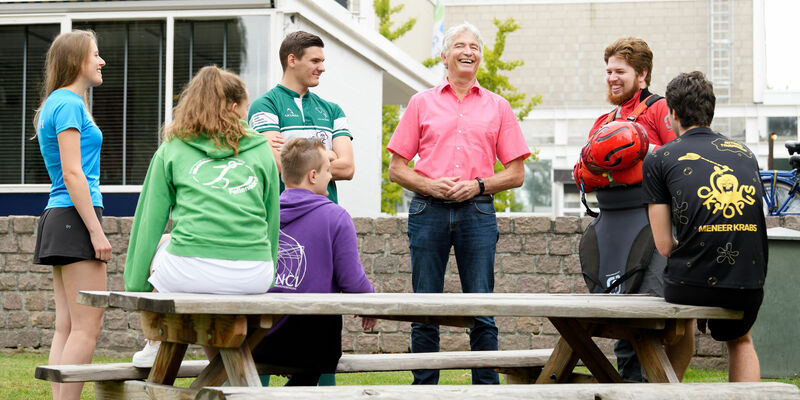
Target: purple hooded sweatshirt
317	247
317	253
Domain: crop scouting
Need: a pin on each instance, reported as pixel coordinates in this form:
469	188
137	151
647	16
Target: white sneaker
146	356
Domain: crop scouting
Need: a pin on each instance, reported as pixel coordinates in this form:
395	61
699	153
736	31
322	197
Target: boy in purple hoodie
318	253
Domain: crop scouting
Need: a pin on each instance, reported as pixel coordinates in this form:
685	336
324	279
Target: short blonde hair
299	156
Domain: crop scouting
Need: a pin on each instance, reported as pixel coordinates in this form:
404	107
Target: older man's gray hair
457	30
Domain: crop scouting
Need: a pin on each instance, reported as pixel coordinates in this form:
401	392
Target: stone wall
534	255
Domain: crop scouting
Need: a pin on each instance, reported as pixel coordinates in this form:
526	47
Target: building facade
562	41
152	49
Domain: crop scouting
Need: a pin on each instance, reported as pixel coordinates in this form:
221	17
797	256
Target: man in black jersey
707	188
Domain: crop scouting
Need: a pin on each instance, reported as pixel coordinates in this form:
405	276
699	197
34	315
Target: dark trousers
470	227
311	343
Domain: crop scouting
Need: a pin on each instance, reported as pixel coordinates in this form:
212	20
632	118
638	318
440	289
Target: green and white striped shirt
309	116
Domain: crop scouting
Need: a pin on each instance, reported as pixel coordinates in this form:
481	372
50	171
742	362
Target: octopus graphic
724	192
727	254
678	211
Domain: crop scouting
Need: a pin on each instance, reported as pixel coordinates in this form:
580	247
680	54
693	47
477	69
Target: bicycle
781	187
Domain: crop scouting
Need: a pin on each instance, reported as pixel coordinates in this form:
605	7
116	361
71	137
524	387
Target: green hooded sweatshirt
223	206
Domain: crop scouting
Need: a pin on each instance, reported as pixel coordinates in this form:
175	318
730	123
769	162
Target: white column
366	14
557	199
66	24
169	70
560	132
276	36
759	52
751	130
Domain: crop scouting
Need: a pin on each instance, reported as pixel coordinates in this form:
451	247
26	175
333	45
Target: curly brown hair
205	109
692	98
635	52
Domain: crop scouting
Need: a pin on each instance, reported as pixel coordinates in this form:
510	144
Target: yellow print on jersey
732	146
727	253
728	228
723	192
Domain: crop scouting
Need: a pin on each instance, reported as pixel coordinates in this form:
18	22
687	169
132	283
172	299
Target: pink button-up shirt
458	138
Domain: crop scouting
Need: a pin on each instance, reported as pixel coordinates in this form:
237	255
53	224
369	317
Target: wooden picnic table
234	324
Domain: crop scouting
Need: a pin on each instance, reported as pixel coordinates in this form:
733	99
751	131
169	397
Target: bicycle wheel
777	194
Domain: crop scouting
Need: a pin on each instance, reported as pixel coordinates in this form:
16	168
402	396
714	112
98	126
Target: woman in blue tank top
70	235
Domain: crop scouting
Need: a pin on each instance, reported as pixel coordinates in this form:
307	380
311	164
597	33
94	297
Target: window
780	27
24	49
573	206
732	127
578	131
239	45
128	106
538	131
535	194
784	127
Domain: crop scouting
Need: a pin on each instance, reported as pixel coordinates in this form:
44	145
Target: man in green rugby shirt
290	110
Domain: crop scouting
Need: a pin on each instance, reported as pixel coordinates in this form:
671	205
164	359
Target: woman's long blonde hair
64	63
205	109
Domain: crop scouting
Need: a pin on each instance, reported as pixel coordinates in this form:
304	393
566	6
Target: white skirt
173	273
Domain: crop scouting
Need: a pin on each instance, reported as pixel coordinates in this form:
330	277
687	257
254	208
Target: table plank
579	338
653	357
560	365
214	374
138	390
226	331
419	304
461	322
168	363
240	367
111	371
589	391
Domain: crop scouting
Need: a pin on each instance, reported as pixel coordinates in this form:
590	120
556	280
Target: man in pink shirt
459	130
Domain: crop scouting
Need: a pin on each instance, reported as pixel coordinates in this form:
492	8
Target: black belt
481	198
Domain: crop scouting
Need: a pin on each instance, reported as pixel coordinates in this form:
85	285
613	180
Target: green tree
490	75
431	61
384	12
391	193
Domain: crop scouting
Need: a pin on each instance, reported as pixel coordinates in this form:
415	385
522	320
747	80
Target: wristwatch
480	183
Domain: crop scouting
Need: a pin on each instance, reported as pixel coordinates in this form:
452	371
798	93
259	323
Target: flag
438	36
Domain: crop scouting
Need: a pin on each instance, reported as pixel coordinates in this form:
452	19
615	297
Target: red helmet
588	160
629	176
615	146
589	180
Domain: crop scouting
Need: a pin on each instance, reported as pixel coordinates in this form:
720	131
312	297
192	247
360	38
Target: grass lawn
17	380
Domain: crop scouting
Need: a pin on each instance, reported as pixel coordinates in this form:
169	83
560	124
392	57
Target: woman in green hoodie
218	180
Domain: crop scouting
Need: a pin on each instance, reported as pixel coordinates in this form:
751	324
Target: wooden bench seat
650	391
508	361
139	390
